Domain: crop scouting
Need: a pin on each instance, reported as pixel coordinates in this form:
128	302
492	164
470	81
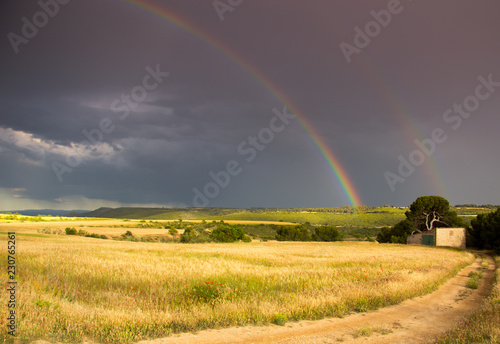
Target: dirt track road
419	320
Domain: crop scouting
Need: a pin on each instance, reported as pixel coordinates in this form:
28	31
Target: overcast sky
105	104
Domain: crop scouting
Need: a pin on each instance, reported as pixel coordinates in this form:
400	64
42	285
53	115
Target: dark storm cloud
64	81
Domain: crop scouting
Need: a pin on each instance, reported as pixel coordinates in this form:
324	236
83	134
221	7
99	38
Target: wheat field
73	288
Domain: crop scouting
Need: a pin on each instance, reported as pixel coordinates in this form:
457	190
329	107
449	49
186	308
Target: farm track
419	320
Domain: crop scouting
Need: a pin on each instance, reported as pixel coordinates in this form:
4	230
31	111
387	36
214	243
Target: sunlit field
73	288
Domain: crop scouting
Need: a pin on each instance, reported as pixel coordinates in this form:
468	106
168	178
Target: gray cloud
65	79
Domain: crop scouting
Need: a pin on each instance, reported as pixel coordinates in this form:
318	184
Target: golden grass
72	288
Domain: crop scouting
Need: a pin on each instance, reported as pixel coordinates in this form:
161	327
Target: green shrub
71	231
396	234
280	319
93	235
326	233
227	233
398	240
188	236
246	238
289	233
128	235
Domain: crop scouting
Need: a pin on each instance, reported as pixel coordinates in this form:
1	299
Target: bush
246	238
71	231
82	232
280	319
188	236
326	233
384	235
396	234
128	236
173	231
227	233
398	240
289	233
93	235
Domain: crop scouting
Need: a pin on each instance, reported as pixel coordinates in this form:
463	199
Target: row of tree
471	205
340	210
223	233
485	231
429	212
302	233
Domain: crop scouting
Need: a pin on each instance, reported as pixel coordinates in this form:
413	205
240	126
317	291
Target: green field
367	217
342	216
260	223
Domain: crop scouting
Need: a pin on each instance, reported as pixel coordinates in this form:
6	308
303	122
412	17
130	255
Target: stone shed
449	237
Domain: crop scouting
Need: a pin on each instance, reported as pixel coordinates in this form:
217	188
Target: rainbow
403	115
406	120
334	164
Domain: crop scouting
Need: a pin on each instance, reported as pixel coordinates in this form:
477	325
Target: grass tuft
280	319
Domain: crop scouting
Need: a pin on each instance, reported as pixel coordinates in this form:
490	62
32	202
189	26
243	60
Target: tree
425	214
428	212
485	230
396	234
401	231
384	235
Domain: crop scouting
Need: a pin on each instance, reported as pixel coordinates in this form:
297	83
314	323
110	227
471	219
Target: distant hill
160	213
52	212
339	216
125	212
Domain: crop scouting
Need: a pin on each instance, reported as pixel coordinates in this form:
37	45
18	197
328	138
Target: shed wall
415	239
451	237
